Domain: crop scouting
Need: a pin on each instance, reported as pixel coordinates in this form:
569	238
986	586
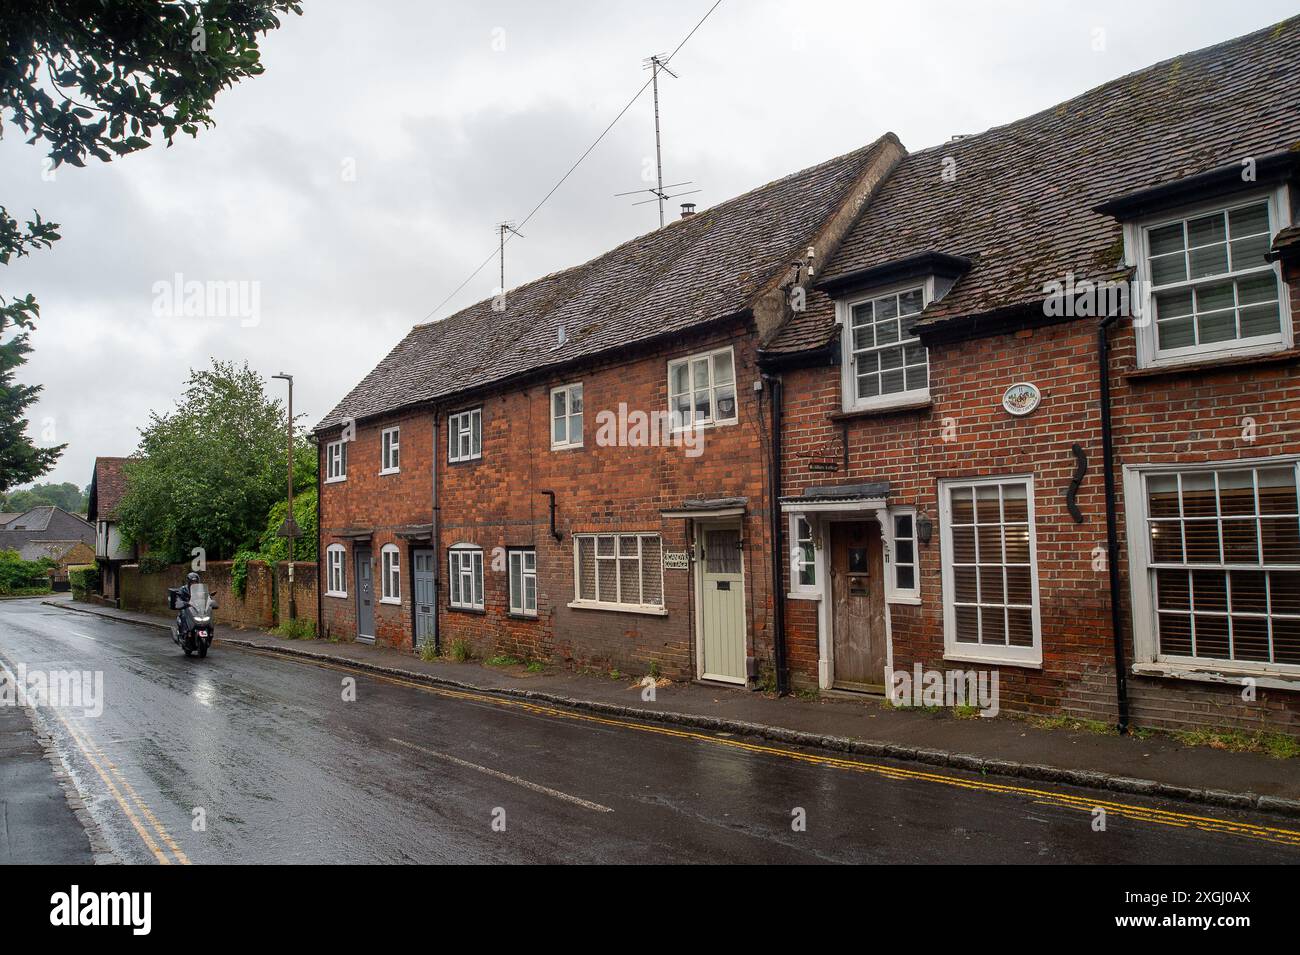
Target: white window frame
465	563
390	567
713	421
568	391
848	365
893	592
468	423
518	602
336	561
617	604
390	450
797	563
1146	658
336	461
1031	656
1136	254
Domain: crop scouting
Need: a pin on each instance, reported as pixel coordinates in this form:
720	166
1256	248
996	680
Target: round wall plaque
1021	398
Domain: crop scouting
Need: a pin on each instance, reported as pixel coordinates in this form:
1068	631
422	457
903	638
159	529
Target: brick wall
1191	417
495	503
263	604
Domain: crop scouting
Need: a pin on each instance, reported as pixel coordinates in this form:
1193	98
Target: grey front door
425	594
365	595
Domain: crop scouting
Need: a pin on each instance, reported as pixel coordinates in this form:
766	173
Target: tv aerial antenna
657	64
502	229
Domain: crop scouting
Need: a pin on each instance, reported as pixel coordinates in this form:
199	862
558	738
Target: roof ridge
1273	28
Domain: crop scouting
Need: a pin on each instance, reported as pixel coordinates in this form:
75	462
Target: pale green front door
722	604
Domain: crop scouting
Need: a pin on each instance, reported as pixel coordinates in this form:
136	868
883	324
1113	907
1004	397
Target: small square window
465	436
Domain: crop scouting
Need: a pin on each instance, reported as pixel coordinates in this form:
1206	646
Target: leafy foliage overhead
97	78
208	472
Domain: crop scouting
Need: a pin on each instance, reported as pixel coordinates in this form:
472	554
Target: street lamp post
290	527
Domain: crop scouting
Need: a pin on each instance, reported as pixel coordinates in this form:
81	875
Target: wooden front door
365	595
858	605
424	592
722	604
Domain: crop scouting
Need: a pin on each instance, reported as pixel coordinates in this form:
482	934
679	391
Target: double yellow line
151	831
1082	803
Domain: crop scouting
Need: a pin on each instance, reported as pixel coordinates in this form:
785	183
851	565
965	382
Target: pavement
251	756
38	825
1157	765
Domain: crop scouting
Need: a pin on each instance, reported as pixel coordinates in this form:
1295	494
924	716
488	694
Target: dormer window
885	363
1209	290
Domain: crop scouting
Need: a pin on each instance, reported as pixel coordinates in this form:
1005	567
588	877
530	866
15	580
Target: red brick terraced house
579	471
1040	415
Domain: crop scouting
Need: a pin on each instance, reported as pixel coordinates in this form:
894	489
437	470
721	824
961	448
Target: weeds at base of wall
503	660
1275	745
299	629
460	651
428	650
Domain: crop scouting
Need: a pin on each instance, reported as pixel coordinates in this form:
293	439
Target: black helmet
191	578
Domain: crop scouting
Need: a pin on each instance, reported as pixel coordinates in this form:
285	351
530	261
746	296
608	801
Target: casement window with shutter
990	576
618	572
1215	565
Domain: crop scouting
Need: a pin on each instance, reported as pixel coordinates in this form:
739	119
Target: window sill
801	596
898	407
1209	364
477	611
394	602
955	656
514	615
390	471
705	426
618	608
336	480
909	601
337	594
477	457
566	447
1218	674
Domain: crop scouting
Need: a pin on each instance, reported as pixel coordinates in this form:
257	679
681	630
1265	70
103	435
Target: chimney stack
688	209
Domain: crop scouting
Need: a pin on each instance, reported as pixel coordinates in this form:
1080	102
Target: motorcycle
194	630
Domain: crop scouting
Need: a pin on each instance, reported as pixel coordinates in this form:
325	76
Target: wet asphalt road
284	769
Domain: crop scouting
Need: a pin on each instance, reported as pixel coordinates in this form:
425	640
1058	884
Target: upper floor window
390	460
1211	289
465	435
336	461
566	416
702	389
885	362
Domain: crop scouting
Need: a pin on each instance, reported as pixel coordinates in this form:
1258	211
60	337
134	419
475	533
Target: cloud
454	117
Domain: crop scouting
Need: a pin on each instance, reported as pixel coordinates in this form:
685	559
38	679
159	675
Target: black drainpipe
436	543
320	549
774	512
1112	521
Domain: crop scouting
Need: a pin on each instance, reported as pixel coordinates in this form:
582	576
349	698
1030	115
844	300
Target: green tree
96	79
66	495
207	473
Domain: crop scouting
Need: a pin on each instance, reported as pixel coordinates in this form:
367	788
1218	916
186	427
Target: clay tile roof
695	270
1021	205
108	488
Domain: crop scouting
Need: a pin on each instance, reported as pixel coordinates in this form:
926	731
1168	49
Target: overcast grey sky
456	115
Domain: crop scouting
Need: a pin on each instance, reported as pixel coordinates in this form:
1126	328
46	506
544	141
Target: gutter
1112	521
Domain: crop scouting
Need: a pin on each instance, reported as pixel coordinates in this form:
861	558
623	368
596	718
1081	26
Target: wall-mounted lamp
924	528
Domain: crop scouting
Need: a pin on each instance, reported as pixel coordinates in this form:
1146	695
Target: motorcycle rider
184	592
